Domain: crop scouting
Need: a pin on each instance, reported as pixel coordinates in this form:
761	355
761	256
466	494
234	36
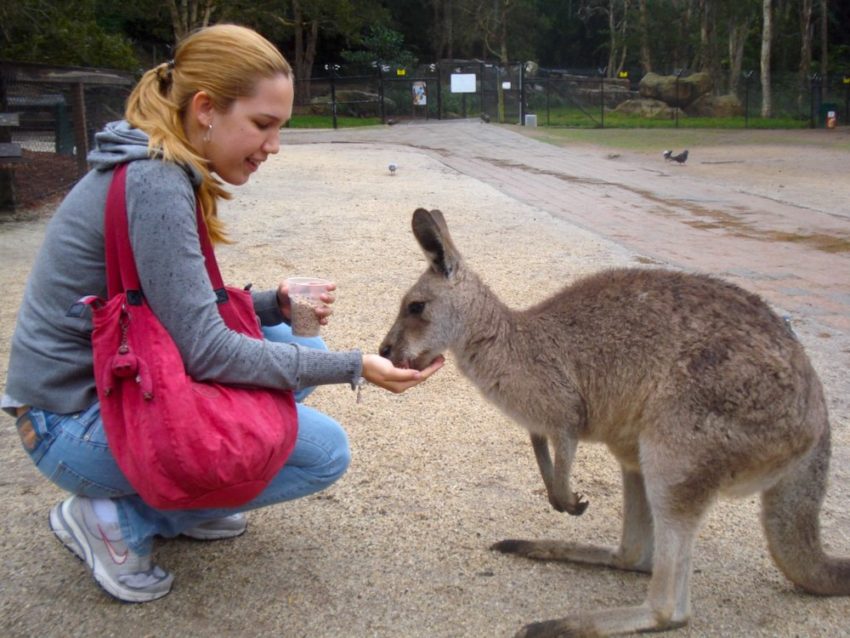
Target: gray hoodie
50	366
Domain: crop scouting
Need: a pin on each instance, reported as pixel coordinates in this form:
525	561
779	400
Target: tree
806	33
382	45
61	33
188	15
643	34
739	30
310	20
766	41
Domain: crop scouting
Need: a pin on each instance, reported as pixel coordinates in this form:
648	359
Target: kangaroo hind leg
676	521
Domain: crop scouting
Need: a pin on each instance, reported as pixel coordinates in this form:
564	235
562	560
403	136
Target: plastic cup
304	295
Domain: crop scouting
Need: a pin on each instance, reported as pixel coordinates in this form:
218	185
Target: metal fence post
678	74
439	91
602	96
522	108
747	77
846	80
814	84
333	97
78	96
7	181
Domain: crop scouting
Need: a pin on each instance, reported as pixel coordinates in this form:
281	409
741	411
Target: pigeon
393	167
681	157
485	118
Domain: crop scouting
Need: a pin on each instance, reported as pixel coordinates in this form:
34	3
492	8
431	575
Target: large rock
664	88
716	106
649	109
352	103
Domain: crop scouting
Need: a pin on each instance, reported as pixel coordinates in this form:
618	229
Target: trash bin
828	115
531	119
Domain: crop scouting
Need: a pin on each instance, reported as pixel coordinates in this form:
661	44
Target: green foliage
381	45
61	33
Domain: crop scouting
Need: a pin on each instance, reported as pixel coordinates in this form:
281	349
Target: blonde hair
226	61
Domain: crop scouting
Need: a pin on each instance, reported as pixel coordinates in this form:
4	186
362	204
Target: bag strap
121	273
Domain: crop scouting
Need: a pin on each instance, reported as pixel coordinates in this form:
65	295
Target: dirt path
399	546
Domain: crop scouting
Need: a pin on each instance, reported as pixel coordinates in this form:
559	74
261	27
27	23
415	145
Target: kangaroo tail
790	515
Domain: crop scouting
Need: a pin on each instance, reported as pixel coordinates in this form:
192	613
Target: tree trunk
643	26
738	32
709	61
190	15
612	37
766	39
806	33
824	37
449	28
306	39
503	55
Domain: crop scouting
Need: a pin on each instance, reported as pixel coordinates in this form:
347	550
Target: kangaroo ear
432	233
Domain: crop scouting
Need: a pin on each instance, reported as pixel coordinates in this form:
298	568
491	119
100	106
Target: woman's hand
383	373
323	312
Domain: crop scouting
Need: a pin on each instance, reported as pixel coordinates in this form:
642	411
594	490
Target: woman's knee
322	445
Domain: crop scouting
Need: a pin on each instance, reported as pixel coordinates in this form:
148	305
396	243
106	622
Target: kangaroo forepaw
575	505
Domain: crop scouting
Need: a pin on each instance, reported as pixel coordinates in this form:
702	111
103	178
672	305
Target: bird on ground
681	158
485	118
393	167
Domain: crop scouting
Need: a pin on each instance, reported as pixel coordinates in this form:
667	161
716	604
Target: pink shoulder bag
181	443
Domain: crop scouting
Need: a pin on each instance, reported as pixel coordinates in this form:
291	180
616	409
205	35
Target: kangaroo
697	388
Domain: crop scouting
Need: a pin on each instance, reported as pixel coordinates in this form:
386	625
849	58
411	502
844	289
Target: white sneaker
219	528
114	566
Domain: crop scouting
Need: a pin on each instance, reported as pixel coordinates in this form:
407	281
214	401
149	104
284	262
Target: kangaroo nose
385	351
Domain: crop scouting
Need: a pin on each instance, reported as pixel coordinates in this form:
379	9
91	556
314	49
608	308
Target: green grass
571	117
326	121
641	140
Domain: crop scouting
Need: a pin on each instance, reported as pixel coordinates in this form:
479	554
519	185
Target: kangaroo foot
572	553
604	622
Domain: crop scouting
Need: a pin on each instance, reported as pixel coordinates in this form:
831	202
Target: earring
208	134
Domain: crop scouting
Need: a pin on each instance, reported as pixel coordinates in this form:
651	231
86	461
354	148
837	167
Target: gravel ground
399	546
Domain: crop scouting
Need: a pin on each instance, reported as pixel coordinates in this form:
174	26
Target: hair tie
164	73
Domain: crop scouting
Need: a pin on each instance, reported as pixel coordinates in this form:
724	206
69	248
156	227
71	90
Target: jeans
71	450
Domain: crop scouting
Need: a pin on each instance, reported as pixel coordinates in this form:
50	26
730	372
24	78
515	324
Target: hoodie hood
119	143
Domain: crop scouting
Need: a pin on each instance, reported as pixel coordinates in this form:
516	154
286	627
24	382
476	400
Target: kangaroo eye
415	307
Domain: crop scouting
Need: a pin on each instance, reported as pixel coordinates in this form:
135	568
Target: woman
212	114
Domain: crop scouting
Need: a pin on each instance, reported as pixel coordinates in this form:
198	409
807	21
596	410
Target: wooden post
81	140
7	181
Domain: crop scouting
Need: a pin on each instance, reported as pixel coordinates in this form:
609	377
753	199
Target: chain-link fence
585	98
564	97
48	118
49	115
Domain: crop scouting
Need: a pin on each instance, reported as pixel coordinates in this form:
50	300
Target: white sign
506	86
463	83
420	94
